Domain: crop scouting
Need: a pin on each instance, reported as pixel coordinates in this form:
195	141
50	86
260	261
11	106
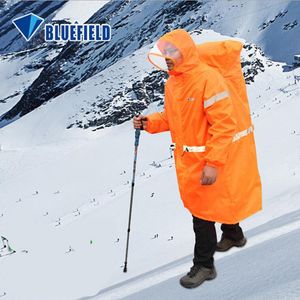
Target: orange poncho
210	124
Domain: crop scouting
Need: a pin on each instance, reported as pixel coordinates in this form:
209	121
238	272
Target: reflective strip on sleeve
243	133
215	98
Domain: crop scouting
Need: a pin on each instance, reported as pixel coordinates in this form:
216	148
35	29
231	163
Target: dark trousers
206	240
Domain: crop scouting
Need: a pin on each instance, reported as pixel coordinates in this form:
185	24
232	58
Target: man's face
165	56
170	64
171	51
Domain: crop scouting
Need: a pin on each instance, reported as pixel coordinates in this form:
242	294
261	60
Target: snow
15	80
80	13
71	168
166	286
244	18
253	277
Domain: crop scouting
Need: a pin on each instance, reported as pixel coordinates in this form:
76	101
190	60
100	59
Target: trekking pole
136	144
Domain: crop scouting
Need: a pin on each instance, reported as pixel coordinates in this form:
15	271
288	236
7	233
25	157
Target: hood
167	45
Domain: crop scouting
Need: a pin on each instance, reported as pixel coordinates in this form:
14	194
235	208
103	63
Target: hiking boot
197	275
225	244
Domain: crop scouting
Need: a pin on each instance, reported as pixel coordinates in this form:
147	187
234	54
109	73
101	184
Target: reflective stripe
236	137
243	133
189	148
194	148
215	98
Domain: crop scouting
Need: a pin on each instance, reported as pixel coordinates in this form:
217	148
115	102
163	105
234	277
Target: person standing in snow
216	183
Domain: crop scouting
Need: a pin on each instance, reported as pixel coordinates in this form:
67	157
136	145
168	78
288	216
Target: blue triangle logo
28	25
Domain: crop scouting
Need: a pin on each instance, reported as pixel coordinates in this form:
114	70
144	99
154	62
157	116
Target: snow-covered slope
273	25
64	197
253	277
72	11
19	70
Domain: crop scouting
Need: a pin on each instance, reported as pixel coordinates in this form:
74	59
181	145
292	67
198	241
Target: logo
28	25
77	32
190	99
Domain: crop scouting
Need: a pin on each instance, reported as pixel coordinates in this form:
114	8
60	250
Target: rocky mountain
135	24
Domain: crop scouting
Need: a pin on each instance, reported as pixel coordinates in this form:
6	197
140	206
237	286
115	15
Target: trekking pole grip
137	133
